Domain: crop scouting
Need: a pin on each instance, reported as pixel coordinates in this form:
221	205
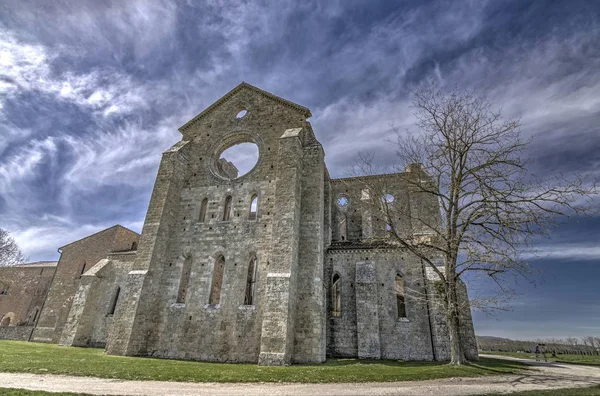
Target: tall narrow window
250	282
82	269
343	227
336	295
203	207
227	208
33	316
134	246
401	304
217	281
113	302
253	207
184	280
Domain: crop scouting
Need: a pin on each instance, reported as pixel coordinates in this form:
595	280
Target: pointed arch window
336	295
227	208
217	281
203	208
113	302
400	298
253	207
184	280
251	282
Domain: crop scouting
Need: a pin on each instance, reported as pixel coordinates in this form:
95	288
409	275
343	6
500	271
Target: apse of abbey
280	265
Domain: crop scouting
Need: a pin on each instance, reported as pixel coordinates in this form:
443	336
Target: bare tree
469	162
10	254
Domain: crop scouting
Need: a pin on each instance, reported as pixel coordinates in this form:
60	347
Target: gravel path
542	376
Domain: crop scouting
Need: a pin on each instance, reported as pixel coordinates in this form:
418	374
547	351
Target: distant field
37	358
591	360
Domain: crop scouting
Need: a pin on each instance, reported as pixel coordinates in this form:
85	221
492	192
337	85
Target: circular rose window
236	160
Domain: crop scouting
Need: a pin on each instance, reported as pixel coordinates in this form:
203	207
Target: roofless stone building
276	266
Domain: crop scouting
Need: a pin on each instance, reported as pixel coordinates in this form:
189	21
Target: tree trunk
457	355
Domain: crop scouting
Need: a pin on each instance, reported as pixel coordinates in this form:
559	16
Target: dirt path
542	376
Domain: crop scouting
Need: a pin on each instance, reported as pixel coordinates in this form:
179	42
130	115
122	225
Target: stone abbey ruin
280	265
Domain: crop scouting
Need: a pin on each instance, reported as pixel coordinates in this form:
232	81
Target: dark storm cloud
91	92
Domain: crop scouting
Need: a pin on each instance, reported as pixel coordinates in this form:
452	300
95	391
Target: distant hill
569	345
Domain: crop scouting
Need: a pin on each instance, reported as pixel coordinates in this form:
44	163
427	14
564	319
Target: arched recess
7	319
134	246
252	215
203	209
217	280
114	300
227	208
400	297
249	296
336	295
184	279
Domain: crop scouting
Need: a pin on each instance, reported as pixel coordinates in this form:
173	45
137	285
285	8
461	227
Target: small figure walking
543	350
537	353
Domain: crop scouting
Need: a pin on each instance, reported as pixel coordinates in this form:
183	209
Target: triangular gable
97	233
244	85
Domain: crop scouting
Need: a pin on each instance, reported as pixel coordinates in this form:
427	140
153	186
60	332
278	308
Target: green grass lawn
25	392
590	360
29	357
593	391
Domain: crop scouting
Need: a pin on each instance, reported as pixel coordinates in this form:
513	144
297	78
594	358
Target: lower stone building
276	265
23	290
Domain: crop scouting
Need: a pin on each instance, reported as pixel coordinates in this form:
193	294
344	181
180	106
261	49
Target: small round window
388	198
241	113
343	201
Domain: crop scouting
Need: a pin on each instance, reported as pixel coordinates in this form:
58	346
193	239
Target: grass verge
25	392
29	357
588	360
593	391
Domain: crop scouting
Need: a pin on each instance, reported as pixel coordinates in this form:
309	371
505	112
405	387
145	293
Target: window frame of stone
184	279
401	311
253	214
343	226
227	208
250	291
114	301
216	284
203	210
31	319
336	295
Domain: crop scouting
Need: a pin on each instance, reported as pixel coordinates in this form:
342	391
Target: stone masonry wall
91	316
151	320
75	259
26	289
399	338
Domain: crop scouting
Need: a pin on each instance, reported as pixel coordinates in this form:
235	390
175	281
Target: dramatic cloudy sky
91	92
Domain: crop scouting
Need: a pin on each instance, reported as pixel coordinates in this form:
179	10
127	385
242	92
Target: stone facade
23	289
279	265
76	258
